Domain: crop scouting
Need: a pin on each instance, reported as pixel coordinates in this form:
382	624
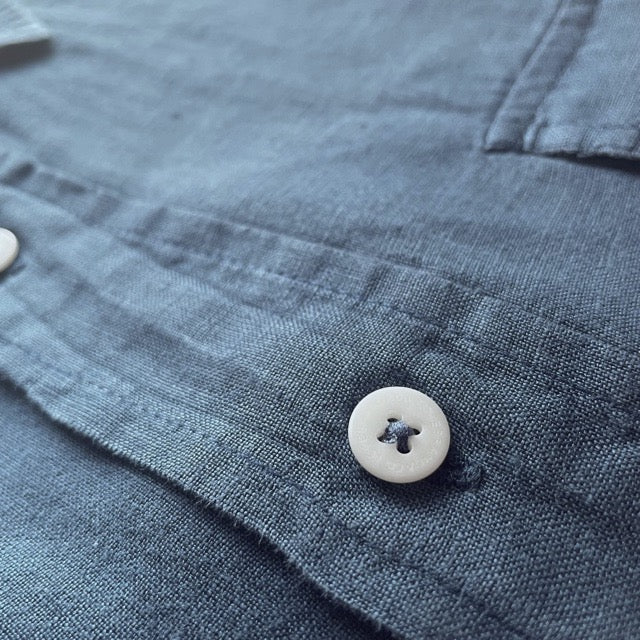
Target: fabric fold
235	380
19	26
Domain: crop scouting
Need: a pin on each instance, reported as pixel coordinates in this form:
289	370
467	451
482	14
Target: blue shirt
236	220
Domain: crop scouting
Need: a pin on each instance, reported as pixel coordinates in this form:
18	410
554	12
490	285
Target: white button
8	248
395	419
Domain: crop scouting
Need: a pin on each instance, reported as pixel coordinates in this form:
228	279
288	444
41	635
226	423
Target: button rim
386	462
12	243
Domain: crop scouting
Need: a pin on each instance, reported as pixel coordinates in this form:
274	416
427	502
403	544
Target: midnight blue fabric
237	220
93	548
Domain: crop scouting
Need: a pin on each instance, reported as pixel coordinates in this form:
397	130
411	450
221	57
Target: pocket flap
579	92
18	26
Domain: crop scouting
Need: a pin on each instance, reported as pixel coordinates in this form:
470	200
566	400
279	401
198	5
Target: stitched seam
579	146
537	46
263	271
565	67
373	309
424	321
532	482
181	426
473	288
591	126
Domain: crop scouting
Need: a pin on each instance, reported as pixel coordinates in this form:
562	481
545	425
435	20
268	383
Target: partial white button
8	248
395	419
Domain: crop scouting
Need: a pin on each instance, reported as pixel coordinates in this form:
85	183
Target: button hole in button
398	432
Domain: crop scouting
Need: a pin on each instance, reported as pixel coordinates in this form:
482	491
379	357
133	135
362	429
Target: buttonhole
398	432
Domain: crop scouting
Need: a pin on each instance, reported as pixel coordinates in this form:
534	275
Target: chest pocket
579	91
